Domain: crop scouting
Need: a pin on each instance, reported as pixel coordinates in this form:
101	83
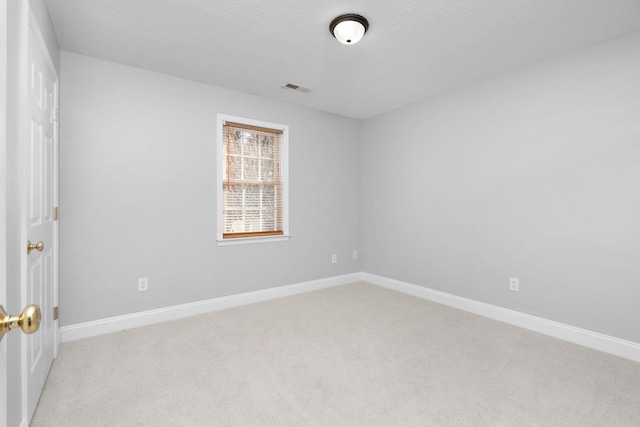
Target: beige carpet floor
353	355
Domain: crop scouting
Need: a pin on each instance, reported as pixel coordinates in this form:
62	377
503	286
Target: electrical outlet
514	284
355	255
334	258
143	284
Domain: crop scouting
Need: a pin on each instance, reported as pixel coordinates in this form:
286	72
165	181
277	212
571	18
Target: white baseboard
119	323
595	340
586	338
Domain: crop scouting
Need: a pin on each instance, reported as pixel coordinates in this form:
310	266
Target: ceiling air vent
296	87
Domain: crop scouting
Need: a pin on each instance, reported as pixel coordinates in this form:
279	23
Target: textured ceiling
413	49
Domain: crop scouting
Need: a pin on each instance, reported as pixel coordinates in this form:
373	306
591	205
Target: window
252	180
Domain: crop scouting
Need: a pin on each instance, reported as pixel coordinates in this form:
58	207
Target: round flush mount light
349	28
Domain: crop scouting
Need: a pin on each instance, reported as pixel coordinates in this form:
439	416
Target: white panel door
40	185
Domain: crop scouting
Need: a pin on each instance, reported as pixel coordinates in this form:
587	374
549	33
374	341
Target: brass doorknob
37	246
28	320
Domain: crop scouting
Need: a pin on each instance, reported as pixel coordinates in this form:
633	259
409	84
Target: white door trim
3	203
14	80
22	103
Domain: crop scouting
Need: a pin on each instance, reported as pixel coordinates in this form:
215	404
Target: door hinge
56	114
55	213
56	313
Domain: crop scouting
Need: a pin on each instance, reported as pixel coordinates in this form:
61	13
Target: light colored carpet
353	355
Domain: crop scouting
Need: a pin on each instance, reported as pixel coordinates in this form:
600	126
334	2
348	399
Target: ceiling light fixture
349	28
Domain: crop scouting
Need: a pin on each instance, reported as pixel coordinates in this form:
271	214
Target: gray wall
534	174
138	193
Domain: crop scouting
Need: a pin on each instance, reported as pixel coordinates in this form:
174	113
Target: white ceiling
413	49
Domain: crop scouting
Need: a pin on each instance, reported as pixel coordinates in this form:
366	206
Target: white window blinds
252	183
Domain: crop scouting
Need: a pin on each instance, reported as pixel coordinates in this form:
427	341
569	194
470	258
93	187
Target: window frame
284	165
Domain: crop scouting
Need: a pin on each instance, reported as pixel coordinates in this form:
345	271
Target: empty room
339	213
